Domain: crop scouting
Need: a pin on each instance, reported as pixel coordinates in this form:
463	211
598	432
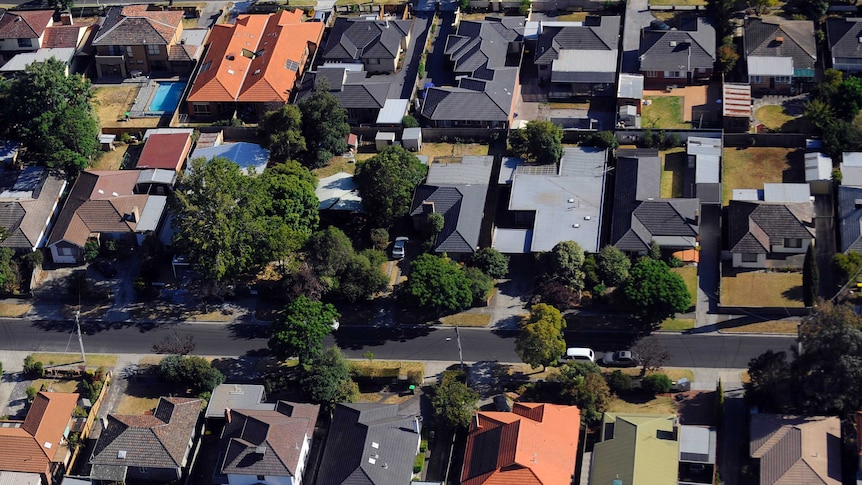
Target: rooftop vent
571	201
673	43
48	445
586	218
260	450
575	226
121	454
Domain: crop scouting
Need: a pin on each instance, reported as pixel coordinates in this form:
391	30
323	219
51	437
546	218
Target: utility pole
460	354
80	340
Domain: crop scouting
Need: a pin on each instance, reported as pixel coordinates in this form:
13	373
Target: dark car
622	358
106	268
501	403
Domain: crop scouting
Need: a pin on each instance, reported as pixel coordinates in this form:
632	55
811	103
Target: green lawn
664	112
93	360
762	289
689	275
467	320
772	116
673	169
677	324
752	167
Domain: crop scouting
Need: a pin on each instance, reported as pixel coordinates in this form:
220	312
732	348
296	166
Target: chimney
65	19
227	415
779	40
428	207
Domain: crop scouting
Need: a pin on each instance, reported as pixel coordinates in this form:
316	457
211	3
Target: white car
400	247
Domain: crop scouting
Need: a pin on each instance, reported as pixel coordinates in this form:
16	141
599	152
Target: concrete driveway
637	17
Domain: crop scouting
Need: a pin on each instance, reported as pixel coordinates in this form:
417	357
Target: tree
846	266
654	251
282	133
492	262
50	113
327	379
769	385
329	251
437	284
652	353
386	183
453	402
582	385
540	342
604	139
761	6
174	344
300	330
655	293
302	282
10	281
361	278
541	141
656	384
480	285
193	371
720	11
819	112
324	126
727	58
618	382
285	202
810	277
612	265
409	122
565	263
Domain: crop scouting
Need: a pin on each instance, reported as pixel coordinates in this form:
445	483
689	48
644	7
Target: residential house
62	41
484	58
845	43
704	154
149	447
20	62
456	189
630	93
233	396
636	448
369	444
780	54
105	205
535	444
376	44
641	216
251	157
770	226
253	65
22	31
678	56
361	96
579	58
558	202
736	107
29	199
37	447
796	449
849	219
268	444
136	41
166	148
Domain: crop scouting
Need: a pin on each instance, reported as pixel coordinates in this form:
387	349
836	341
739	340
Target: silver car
400	247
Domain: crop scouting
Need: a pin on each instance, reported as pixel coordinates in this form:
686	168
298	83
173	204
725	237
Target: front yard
689	275
762	289
752	167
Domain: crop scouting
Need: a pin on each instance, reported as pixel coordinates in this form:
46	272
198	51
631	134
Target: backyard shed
411	139
736	107
384	139
818	172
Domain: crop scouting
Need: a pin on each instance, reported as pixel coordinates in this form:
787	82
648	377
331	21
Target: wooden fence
91	419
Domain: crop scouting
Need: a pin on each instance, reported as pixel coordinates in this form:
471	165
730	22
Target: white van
578	354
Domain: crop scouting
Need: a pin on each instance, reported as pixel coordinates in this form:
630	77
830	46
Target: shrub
619	382
558	295
409	122
91	250
31	393
415	377
492	262
656	383
34	259
419	463
380	238
79	412
33	368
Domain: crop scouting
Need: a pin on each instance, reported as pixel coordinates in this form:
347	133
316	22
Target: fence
91	418
677	8
764	311
784	140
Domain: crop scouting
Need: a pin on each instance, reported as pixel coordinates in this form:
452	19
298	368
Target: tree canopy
612	265
51	114
386	183
655	293
565	263
345	273
324	126
581	384
540	342
437	284
282	133
453	402
541	141
300	330
492	262
327	379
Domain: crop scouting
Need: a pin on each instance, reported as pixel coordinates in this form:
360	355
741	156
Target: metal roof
157	176
507	169
338	192
234	396
152	213
636	448
707	153
393	112
818	166
21	61
411	133
249	156
586	61
512	241
786	193
697	444
770	66
746	194
631	86
736	100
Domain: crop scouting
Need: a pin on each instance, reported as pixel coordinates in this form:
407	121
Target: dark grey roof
360	38
799	43
668	50
850	217
233	396
596	33
491	102
352	88
369	444
753	226
843	35
640	215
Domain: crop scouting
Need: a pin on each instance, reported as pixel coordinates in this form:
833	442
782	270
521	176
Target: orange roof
534	444
31	446
165	150
257	59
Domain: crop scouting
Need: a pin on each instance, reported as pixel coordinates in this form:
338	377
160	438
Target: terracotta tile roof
135	25
797	449
257	59
59	36
159	440
32	446
534	444
165	150
25	24
182	52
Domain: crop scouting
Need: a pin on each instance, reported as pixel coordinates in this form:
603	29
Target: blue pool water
167	96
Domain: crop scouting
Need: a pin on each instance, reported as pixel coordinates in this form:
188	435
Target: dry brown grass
752	167
689	275
674	373
771	326
572	17
762	289
111	160
467	320
435	150
93	360
56	385
384	368
135	405
111	104
14	310
532	374
659	405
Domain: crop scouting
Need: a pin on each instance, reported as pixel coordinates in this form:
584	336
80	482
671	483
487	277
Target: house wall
847	64
779	248
72	253
136	474
659	76
766	85
376	65
760	263
252	480
12	45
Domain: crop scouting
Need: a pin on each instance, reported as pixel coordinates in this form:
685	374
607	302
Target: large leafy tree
193	371
655	293
51	114
300	330
492	262
282	133
540	342
564	263
327	379
288	206
361	278
453	402
386	183
541	141
769	385
846	266
612	265
437	284
581	384
324	126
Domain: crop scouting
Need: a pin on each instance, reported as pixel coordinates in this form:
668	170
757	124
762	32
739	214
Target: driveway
707	268
436	67
403	81
824	226
637	17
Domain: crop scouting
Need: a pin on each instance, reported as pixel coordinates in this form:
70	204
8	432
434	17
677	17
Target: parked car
578	354
501	403
106	268
621	358
400	247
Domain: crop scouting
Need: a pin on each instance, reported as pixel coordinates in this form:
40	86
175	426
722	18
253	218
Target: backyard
762	289
111	104
673	171
431	150
752	167
664	112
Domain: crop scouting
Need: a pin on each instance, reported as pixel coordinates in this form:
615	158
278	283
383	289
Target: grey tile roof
796	449
133	25
843	36
279	432
693	46
26	205
759	39
352	88
160	440
640	215
492	103
359	38
596	33
369	444
850	218
754	226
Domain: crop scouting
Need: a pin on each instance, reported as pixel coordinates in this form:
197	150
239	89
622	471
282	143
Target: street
408	343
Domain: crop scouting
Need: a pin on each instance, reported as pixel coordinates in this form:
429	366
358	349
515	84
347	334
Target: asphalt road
417	343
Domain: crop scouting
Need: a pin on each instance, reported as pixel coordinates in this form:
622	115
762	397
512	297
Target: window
749	257
651	73
115	50
201	108
261	477
782	79
374	61
674	74
755	79
793	243
25	42
129	51
65	251
153	49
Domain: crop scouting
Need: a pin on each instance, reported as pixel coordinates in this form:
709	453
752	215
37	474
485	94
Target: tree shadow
355	338
793	294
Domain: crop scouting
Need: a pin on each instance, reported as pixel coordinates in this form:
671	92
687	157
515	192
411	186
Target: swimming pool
167	96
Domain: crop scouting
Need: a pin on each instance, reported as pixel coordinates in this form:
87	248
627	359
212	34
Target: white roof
157	176
338	192
746	194
786	193
167	131
411	134
707	152
578	60
770	66
512	241
19	478
393	111
851	169
737	100
152	213
631	86
852	159
249	156
21	61
385	135
697	444
818	166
